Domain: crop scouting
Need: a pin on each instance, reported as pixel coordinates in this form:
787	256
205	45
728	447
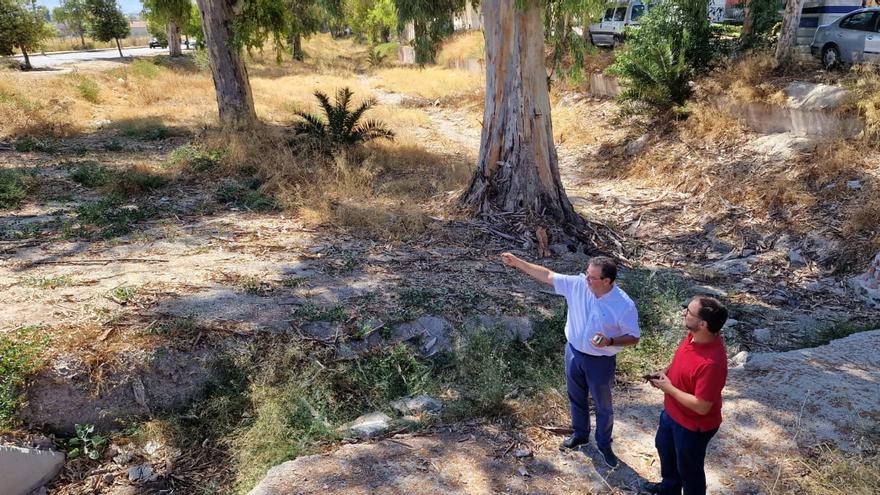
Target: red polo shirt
701	370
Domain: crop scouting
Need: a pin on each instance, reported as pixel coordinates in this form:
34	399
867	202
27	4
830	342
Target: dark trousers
682	456
587	375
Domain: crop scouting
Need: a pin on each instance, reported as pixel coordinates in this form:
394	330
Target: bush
13	188
20	352
674	42
343	126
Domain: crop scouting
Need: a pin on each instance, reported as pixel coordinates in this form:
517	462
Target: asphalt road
58	59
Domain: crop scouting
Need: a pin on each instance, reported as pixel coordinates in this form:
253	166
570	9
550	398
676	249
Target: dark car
155	43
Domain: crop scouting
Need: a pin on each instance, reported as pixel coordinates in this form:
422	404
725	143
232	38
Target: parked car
155	43
609	31
854	38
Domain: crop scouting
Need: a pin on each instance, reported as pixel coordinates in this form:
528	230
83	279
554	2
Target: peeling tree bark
518	168
173	40
791	20
235	101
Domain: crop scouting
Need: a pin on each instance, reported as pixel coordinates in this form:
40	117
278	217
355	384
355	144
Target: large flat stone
25	470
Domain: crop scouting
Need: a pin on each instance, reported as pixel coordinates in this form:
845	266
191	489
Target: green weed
89	90
21	354
91	174
195	160
14	185
108	217
48	282
246	196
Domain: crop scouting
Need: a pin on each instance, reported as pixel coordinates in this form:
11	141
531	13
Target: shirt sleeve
709	382
564	284
629	322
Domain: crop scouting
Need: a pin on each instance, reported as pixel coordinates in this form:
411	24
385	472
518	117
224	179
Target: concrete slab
25	470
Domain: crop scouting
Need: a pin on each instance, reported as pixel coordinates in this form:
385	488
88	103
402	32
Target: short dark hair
606	265
712	312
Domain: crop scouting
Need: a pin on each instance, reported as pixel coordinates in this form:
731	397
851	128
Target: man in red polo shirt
692	406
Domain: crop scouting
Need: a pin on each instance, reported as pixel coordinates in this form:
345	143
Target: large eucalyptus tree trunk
791	20
518	168
173	40
235	100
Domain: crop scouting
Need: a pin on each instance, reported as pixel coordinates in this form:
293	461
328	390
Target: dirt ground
224	276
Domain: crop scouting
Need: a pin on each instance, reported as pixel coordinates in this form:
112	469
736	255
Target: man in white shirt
601	319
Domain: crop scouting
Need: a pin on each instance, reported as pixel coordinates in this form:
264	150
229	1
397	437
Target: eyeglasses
687	311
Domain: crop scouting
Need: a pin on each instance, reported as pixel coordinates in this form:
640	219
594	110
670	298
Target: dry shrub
743	79
864	82
707	122
411	172
834	160
55	113
864	218
430	83
832	471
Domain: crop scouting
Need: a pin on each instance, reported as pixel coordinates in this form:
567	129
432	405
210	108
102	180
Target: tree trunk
791	20
422	44
119	47
27	59
518	168
173	40
82	40
748	21
235	101
297	48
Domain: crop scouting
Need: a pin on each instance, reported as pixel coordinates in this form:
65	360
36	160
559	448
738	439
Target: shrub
13	188
20	352
89	90
343	126
674	42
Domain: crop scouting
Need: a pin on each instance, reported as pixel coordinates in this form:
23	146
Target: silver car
853	38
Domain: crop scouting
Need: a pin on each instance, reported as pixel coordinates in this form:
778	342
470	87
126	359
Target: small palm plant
343	126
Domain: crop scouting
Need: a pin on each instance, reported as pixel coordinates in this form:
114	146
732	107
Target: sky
127	6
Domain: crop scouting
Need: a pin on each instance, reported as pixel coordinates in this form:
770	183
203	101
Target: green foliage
109	217
765	17
674	42
144	130
107	20
195	160
432	20
88	89
91	174
48	282
21	354
279	21
247	196
86	443
145	68
569	48
13	188
20	28
372	20
343	126
74	14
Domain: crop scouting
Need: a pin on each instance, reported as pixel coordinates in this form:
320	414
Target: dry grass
69	44
430	83
746	79
864	82
462	46
706	122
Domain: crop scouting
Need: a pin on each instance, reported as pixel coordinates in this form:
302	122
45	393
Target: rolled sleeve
629	322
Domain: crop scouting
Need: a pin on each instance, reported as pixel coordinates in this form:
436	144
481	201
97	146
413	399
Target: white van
609	31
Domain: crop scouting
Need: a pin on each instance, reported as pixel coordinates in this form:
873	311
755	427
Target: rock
809	96
559	249
730	323
368	425
732	268
523	472
40	491
709	290
739	359
635	147
854	184
762	335
867	285
796	258
141	473
780	146
521	453
514	327
25	470
417	405
321	330
747	252
435	332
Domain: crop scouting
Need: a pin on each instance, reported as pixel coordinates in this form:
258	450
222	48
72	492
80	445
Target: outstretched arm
537	272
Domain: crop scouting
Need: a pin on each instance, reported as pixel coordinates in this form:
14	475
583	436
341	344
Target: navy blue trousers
682	456
587	375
